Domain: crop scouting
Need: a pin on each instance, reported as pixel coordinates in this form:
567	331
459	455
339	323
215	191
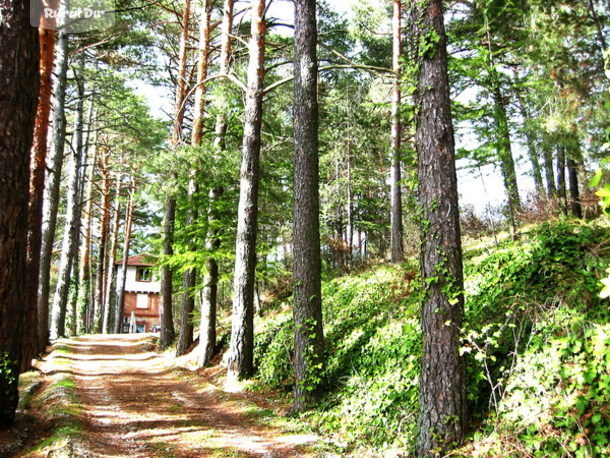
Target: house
142	293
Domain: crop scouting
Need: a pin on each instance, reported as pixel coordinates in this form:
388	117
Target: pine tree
442	421
308	332
242	327
18	96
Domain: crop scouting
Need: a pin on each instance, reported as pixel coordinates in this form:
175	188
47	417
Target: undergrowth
535	339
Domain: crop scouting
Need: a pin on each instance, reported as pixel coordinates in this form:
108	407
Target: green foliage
535	339
8	383
369	19
532	332
354	140
601	181
273	350
367	317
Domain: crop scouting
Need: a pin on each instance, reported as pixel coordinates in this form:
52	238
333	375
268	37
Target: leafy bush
533	327
273	352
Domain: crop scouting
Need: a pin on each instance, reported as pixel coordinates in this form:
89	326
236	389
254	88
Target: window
143	274
142	301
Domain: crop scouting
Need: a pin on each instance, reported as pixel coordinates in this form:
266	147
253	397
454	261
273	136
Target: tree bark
170	203
181	81
442	421
85	264
549	176
46	41
209	295
167	320
77	321
349	206
202	72
224	62
189	281
561	178
503	142
51	192
114	238
396	231
308	332
72	223
120	300
575	207
98	305
207	325
505	153
18	96
242	329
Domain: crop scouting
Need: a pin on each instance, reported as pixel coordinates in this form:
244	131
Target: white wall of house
132	285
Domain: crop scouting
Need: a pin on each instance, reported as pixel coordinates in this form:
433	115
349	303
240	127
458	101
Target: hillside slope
535	337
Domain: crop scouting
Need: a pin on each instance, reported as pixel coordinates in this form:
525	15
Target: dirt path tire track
136	404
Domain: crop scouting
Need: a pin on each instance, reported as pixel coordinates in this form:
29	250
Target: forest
376	228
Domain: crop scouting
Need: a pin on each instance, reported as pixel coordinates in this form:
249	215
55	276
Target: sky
480	188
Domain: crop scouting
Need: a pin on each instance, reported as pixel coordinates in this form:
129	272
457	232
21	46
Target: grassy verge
58	405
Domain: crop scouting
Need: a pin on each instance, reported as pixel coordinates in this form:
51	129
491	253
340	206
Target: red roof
142	260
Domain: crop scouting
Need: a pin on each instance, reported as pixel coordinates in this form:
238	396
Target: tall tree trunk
202	72
73	297
308	332
242	328
76	278
101	274
121	281
504	149
170	203
575	207
181	80
442	421
86	298
505	153
51	192
561	178
207	333
349	206
114	238
18	96
167	320
189	279
396	231
209	295
207	328
46	40
225	61
72	223
549	175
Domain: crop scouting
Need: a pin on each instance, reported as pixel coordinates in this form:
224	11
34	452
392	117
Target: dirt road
134	403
